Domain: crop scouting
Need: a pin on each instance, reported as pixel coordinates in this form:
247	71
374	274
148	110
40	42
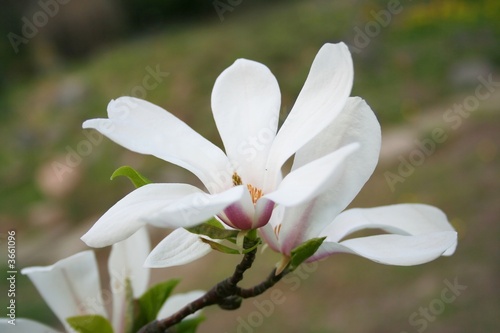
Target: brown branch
256	290
225	294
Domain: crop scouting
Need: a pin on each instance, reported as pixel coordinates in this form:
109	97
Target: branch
260	288
225	294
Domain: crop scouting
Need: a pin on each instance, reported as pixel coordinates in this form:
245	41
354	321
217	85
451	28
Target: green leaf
90	324
304	251
135	177
213	229
150	303
189	325
219	247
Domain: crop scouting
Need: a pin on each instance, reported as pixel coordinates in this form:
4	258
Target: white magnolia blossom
71	287
245	183
335	140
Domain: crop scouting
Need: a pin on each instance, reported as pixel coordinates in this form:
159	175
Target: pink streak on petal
237	218
263	212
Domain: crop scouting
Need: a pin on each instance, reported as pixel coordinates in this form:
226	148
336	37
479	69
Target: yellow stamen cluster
237	179
255	193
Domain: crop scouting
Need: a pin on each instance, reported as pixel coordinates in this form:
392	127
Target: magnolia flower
71	287
418	233
245	183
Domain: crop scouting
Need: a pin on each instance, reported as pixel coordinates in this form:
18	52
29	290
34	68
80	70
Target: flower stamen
277	230
255	193
237	179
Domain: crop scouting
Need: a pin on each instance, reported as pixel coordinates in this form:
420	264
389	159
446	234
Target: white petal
176	302
145	128
312	179
129	214
419	228
126	261
356	123
178	248
196	208
308	191
24	325
322	98
245	103
404	219
393	249
71	287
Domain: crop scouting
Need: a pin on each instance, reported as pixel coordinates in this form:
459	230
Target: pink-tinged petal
145	128
312	179
24	325
180	247
322	98
263	211
130	213
70	287
245	103
198	207
296	222
176	302
404	219
126	262
269	232
241	214
393	249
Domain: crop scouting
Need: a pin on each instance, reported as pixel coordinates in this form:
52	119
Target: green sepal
302	252
90	324
133	175
253	247
150	303
213	229
219	247
189	325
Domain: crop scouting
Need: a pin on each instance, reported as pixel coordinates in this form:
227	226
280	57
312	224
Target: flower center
255	193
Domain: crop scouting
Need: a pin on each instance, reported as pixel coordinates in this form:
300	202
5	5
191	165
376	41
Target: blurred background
425	67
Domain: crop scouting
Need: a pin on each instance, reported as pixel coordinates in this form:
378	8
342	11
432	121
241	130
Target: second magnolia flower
244	185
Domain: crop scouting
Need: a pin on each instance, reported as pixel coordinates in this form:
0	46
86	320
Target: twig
225	294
